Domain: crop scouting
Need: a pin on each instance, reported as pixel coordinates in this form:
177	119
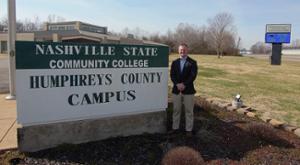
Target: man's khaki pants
188	101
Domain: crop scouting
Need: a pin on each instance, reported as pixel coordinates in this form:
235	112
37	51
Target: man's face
183	51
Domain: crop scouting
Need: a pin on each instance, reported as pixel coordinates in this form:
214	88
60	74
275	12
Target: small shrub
182	156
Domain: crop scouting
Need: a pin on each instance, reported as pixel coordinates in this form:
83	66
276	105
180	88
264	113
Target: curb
208	103
8	149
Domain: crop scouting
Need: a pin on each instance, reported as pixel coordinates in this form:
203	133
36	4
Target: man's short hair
183	44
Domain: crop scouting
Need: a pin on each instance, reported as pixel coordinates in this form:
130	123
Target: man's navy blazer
187	76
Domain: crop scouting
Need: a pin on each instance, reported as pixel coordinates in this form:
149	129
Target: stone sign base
39	137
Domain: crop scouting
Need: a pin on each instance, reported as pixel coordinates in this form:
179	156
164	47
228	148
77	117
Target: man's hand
180	86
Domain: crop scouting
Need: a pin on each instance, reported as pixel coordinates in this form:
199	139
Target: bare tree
192	35
2	27
220	27
37	22
156	38
29	25
3	23
52	18
23	25
186	33
229	46
137	33
238	45
295	44
260	48
197	37
169	40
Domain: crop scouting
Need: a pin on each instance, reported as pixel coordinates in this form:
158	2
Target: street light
11	48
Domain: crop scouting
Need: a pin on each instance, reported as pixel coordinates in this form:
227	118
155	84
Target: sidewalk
8	113
8	123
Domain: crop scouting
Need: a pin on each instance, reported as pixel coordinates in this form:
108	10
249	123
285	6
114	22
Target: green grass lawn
274	91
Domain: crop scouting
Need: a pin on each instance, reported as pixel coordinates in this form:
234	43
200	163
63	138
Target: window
3	46
53	28
93	29
62	27
70	27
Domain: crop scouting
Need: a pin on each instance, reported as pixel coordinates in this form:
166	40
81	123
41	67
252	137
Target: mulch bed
220	137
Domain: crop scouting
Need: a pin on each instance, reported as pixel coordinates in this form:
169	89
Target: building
291	51
73	31
245	52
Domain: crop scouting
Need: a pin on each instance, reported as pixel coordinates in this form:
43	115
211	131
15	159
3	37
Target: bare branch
221	33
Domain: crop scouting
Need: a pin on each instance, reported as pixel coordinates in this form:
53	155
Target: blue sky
157	16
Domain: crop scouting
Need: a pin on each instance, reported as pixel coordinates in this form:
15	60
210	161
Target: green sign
55	55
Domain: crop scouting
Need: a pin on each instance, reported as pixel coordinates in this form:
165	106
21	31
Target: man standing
183	73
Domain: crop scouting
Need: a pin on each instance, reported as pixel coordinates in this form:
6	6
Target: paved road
284	57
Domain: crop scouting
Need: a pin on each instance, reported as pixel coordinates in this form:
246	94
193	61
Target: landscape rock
276	123
251	114
289	128
297	132
241	111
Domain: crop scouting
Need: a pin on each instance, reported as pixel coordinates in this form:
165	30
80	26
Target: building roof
72	22
48	35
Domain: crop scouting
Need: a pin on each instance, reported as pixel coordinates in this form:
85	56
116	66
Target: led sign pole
11	48
276	53
277	34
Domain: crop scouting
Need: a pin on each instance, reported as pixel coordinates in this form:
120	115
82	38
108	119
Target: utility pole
11	48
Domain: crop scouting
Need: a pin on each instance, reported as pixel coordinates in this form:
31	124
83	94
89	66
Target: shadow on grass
218	135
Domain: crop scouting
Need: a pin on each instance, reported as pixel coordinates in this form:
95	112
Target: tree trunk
221	52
